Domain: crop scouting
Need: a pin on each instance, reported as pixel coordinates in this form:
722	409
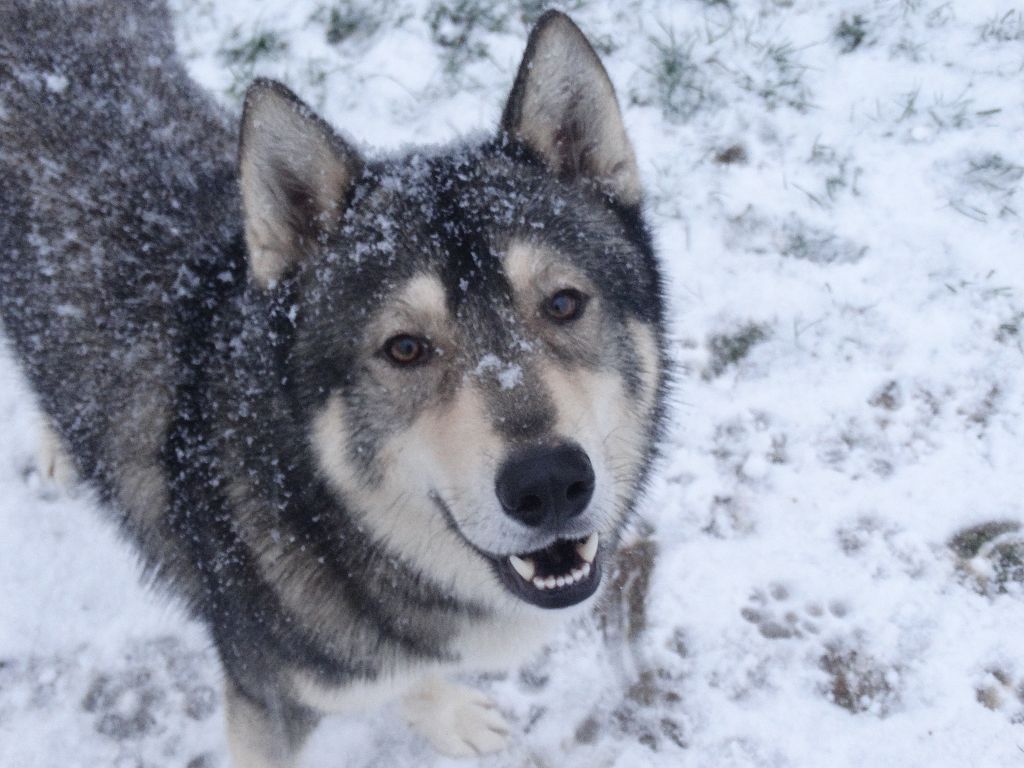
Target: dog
374	420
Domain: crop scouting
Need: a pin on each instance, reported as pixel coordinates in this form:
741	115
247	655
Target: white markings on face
450	452
418	308
423	294
535	272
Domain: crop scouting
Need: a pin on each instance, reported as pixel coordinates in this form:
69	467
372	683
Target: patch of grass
1003	28
457	25
778	75
858	682
840	175
802	241
992	556
908	48
345	20
675	82
955	112
246	53
988	187
850	32
728	349
1010	331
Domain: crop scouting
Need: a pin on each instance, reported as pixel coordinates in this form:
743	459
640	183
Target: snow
509	375
841	228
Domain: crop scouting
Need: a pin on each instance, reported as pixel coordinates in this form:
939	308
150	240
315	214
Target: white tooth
549	582
577	574
560	581
524	567
586	570
588	549
538	583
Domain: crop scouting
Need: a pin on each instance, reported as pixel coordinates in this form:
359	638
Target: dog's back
118	196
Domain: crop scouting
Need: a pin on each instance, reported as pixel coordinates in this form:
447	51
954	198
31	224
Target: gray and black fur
197	322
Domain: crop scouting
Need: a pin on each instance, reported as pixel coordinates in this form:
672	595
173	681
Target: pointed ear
563	107
296	176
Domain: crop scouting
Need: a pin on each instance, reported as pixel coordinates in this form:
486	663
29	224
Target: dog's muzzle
547	488
562	574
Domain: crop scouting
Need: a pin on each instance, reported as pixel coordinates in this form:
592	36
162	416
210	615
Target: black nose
546	486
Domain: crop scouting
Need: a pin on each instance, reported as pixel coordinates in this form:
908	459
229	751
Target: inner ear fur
295	173
563	107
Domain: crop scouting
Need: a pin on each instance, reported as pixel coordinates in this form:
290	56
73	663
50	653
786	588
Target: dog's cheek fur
612	424
435	454
645	346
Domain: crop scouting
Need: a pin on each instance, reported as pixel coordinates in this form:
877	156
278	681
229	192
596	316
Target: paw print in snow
124	704
1001	690
777	615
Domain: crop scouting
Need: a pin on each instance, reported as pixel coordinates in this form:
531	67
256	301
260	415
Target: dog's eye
407	350
566	305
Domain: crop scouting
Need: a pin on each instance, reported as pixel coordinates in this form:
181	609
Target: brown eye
564	306
407	350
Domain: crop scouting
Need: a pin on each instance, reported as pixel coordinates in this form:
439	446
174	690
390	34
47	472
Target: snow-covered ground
831	568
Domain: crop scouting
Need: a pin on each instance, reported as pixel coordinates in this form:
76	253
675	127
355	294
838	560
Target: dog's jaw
559	576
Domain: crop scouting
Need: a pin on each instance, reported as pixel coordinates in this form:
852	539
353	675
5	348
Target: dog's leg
457	720
54	463
262	735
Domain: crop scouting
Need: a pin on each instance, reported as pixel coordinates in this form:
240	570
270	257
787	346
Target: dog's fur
205	324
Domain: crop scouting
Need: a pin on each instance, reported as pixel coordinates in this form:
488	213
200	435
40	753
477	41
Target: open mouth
562	574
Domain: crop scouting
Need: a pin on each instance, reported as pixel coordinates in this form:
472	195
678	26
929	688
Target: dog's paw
457	720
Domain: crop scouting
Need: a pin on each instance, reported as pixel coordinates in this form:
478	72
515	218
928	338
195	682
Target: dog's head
478	333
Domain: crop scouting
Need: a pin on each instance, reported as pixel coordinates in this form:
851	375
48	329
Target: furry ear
296	175
563	107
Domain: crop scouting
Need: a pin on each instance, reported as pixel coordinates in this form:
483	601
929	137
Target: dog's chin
560	575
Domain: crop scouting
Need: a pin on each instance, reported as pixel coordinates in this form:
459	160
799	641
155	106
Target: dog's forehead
485	228
459	288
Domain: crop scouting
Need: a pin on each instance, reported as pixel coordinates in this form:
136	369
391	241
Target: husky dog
373	420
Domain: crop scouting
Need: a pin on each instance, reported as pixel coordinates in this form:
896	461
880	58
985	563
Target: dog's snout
546	486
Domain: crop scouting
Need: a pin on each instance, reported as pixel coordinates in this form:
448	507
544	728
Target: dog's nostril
577	490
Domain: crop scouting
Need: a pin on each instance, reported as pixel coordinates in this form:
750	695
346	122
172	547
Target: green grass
675	82
458	28
262	45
